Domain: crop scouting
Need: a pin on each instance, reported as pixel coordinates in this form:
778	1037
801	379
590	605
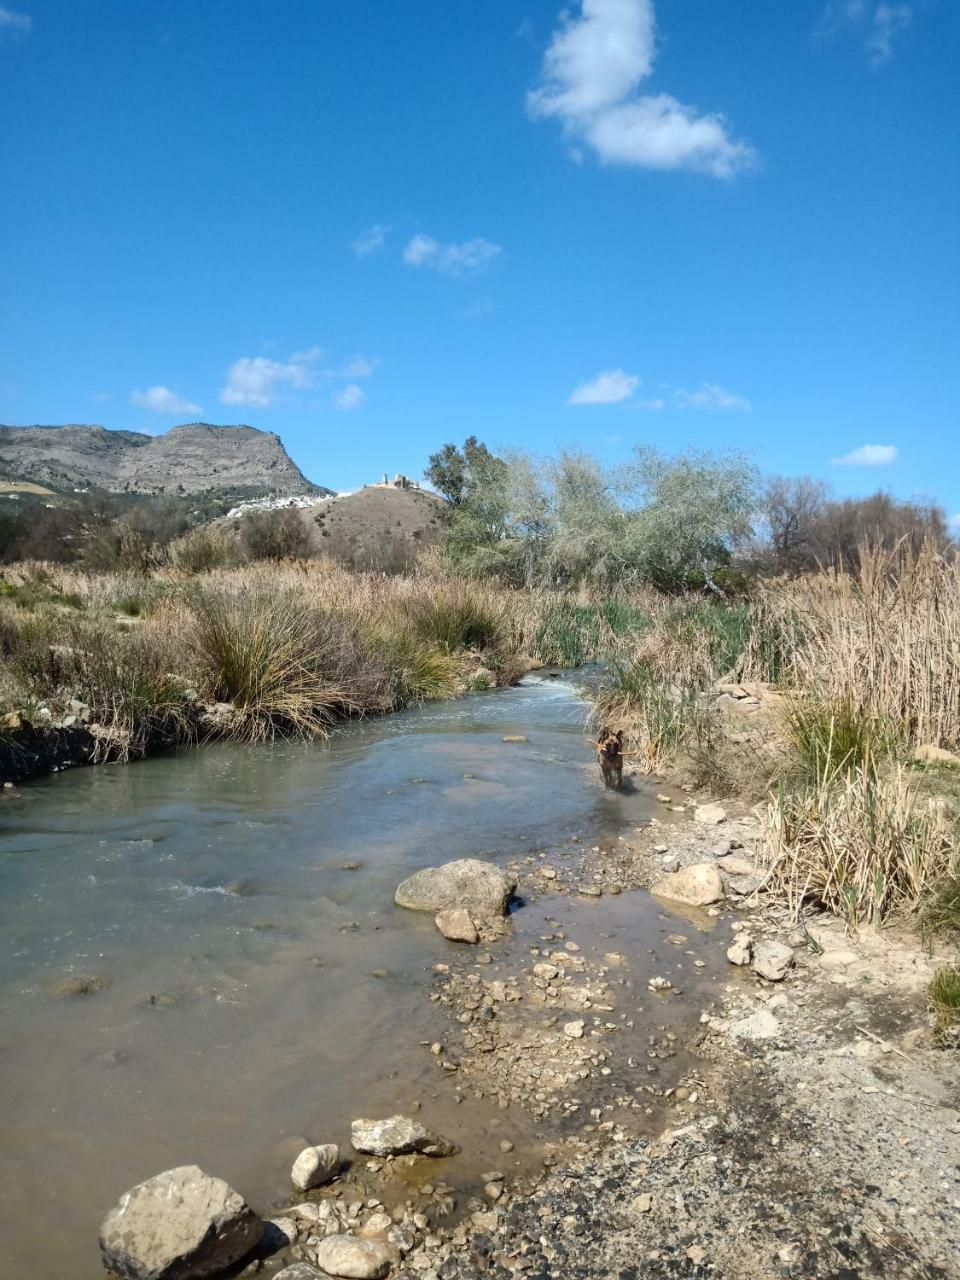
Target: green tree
455	472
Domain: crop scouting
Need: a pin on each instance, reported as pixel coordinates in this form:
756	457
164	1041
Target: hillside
381	526
187	459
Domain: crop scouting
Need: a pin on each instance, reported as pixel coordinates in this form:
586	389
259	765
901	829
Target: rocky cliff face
187	459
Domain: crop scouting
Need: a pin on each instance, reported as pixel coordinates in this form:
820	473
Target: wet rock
82	984
697	886
740	951
377	1226
314	1166
299	1271
178	1225
574	1029
772	960
710	814
455	924
353	1258
758	1026
478	887
278	1233
395	1136
513	737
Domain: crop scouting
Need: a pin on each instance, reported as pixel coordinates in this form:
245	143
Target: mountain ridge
189	458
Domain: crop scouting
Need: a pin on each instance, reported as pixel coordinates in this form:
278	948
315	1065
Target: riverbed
258	986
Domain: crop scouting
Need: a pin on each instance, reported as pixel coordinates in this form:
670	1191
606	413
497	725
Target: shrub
458	617
414	671
945	997
275	535
864	846
202	550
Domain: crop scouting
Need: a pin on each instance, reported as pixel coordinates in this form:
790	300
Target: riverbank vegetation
828	696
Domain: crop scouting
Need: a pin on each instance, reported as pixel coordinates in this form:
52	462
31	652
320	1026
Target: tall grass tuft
662	718
863	845
278	664
455	616
945	998
844	736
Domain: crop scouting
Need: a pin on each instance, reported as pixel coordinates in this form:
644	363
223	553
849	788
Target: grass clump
279	665
944	993
865	846
841	736
662	718
456	617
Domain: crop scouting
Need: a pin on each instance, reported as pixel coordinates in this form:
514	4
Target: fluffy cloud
710	395
350	397
468	258
256	380
163	400
610	387
371	240
876	24
868	455
590	77
13	23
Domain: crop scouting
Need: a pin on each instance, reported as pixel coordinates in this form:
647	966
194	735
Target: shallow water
215	882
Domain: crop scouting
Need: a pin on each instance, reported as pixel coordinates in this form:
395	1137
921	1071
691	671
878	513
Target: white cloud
653	404
590	77
359	367
163	400
371	240
876	22
868	455
256	380
709	395
350	397
610	387
467	258
13	23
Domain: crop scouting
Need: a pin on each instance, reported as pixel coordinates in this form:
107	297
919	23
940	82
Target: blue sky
375	227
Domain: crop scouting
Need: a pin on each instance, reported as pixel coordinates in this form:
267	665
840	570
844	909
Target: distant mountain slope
186	459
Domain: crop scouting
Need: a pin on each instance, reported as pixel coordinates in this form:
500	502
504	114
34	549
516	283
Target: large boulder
696	886
180	1225
353	1258
397	1136
478	887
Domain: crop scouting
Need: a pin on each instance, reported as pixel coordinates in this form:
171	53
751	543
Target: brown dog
610	757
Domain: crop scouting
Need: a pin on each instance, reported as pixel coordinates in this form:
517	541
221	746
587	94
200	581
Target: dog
610	757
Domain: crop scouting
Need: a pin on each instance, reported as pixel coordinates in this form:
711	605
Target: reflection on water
237	902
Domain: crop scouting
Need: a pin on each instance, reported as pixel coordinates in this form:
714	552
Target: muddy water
260	987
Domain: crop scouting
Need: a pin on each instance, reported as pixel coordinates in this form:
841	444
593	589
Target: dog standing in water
610	757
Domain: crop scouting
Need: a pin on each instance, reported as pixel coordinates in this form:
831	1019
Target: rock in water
478	887
697	886
356	1259
180	1225
771	960
710	815
314	1166
397	1136
299	1271
455	924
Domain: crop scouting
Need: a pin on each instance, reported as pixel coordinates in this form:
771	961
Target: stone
314	1166
376	1226
455	923
642	1203
761	1025
574	1029
711	815
278	1233
838	960
546	971
396	1136
772	960
741	951
179	1225
299	1271
479	887
513	737
736	865
83	984
353	1258
928	753
744	885
696	886
670	863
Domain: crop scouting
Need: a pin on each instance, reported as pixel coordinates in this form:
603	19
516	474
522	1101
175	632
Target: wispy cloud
868	455
613	386
877	23
370	240
470	257
359	367
13	23
710	395
350	397
163	400
592	70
